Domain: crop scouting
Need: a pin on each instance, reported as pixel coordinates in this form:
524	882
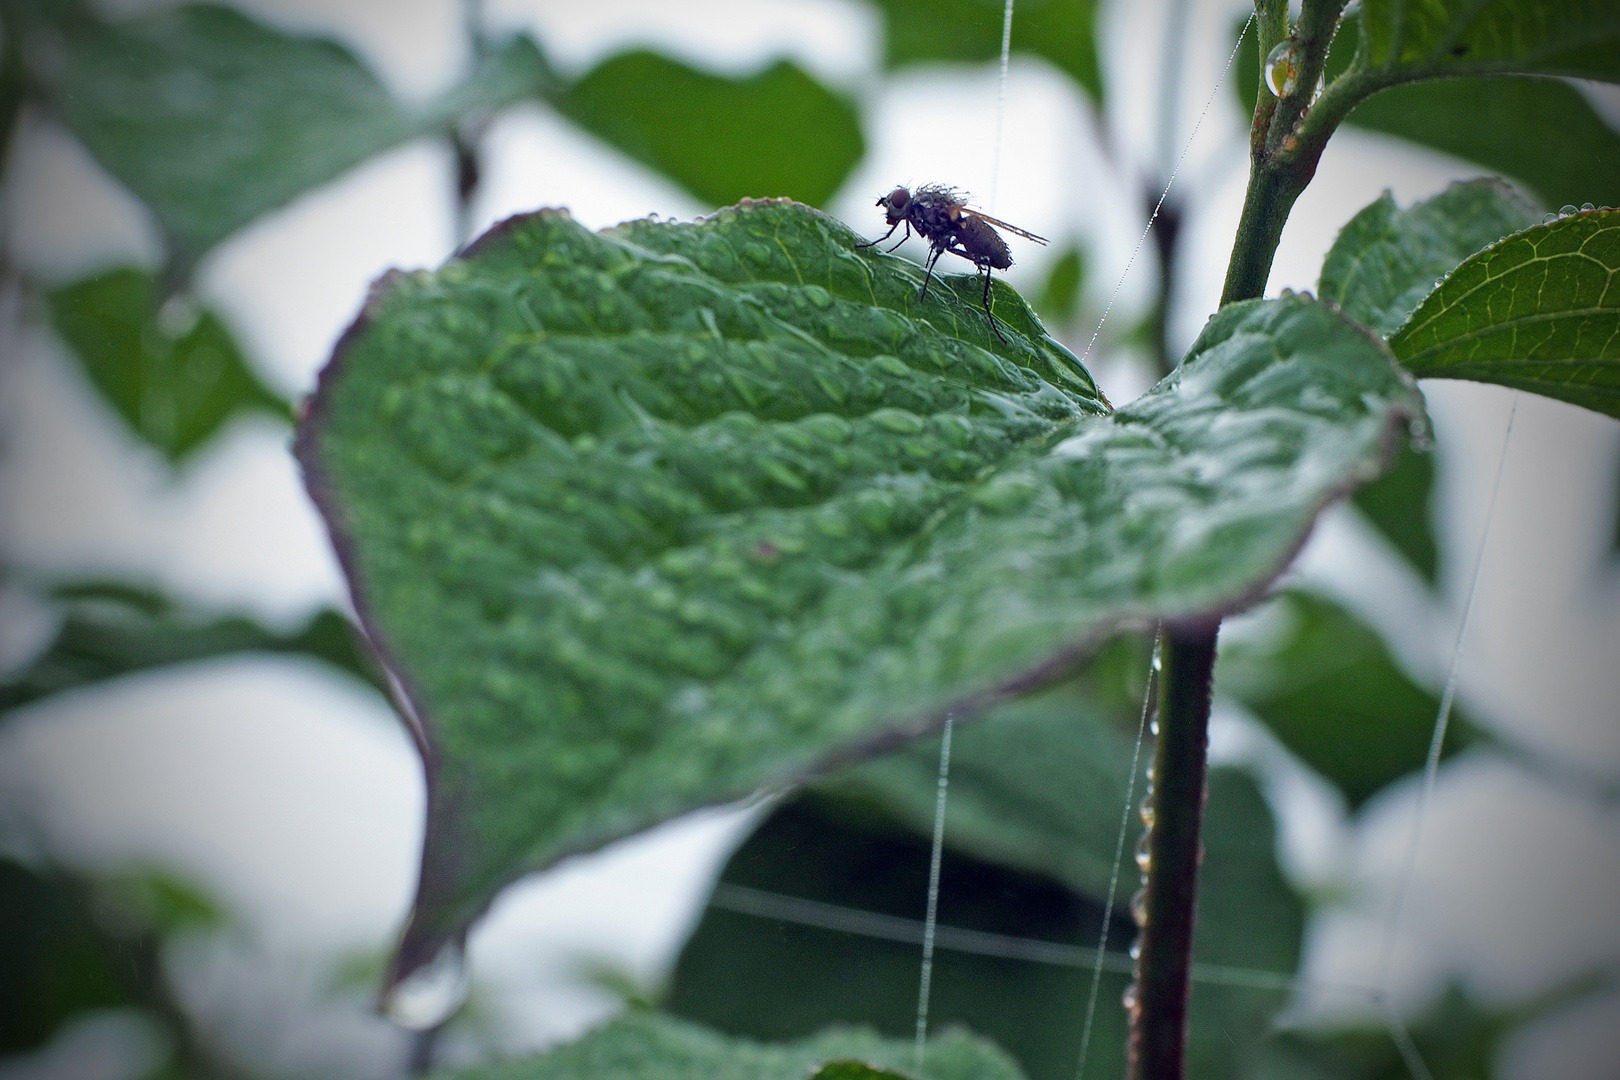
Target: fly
940	216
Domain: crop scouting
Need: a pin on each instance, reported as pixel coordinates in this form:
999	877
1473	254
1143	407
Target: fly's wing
1015	230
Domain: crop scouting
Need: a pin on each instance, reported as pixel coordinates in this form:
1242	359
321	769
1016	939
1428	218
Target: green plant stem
1284	146
1158	1049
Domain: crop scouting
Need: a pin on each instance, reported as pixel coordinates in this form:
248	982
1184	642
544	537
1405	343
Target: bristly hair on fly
941	216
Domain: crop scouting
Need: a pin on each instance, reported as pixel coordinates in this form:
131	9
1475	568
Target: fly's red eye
898	198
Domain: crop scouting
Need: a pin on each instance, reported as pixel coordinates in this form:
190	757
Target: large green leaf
212	119
646	519
1580	38
1386	260
174	387
1325	683
648	1046
818	919
1539	311
109	631
1542	132
1062	32
778	132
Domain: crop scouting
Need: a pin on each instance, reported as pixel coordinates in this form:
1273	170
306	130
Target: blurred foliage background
213	118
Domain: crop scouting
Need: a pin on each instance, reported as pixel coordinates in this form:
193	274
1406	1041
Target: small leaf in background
1063	32
1328	688
641	1045
1541	132
649	518
777	133
1059	298
855	1070
1539	311
1579	38
1386	260
818	919
1400	505
210	118
174	388
109	631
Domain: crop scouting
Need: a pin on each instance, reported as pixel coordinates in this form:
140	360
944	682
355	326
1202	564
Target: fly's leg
903	238
987	312
933	258
885	236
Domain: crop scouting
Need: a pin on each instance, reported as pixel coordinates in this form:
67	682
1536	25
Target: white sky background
295	798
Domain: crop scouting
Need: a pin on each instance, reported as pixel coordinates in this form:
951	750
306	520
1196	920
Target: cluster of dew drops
1144	858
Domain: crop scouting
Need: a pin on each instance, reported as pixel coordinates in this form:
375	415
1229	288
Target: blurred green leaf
648	1046
54	960
1037	786
649	518
1579	38
1539	311
1059	298
1014	950
112	631
1541	132
1062	32
175	388
13	87
1400	505
723	139
210	118
1386	260
1328	688
855	1070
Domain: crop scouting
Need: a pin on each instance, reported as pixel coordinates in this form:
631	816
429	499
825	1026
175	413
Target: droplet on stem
1282	68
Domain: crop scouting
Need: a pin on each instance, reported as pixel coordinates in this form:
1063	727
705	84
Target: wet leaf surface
650	518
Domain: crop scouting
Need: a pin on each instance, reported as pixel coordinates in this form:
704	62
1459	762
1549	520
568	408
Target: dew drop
1136	949
1139	907
1282	68
1588	207
430	995
1567	209
1128	998
1153	727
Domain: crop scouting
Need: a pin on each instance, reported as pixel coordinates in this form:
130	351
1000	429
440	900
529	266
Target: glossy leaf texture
1062	32
174	387
1539	311
778	132
1541	132
650	518
1578	38
108	631
1327	686
818	918
648	1046
1386	260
